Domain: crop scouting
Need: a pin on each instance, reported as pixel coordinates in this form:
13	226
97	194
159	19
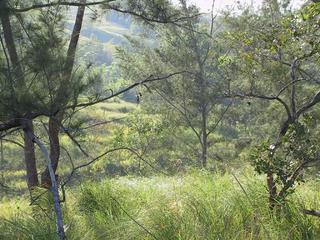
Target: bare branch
285	87
56	3
14	142
102	123
220	119
270	98
149	79
213	17
94	159
174	19
183	113
311	212
293	86
16	121
54	185
307	106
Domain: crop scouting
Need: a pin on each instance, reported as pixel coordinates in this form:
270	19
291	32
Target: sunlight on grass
198	205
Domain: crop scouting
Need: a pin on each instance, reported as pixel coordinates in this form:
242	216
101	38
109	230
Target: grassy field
195	205
97	123
191	205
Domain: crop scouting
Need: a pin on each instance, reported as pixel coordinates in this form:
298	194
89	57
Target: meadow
194	205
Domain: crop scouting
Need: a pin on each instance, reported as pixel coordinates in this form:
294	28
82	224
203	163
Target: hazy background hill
99	37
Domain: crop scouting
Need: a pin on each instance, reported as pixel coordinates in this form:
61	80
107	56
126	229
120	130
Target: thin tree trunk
204	144
61	99
2	161
272	188
204	153
10	44
29	153
30	160
54	184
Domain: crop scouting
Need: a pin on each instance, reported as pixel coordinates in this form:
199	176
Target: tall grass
198	205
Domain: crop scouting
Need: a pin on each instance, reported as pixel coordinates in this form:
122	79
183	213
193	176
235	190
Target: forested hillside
138	119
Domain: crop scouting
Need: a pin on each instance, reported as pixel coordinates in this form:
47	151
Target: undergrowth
198	205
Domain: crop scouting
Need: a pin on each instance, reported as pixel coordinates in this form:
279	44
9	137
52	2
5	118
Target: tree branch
106	3
311	212
184	115
149	79
16	121
306	107
276	98
220	119
57	3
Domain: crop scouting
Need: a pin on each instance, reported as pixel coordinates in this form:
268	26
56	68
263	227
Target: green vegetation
141	119
198	205
97	122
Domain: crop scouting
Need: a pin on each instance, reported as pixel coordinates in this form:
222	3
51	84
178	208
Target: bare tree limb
307	106
272	98
149	79
54	185
174	19
15	122
56	3
14	142
102	123
183	113
311	212
220	119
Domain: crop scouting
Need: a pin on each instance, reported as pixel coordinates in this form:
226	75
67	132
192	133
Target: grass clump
198	205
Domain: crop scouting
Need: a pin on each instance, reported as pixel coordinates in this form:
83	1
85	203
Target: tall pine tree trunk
30	160
62	98
29	152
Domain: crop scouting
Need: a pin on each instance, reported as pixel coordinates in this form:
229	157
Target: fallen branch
311	212
54	185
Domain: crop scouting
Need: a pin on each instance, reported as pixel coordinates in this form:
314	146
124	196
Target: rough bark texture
30	160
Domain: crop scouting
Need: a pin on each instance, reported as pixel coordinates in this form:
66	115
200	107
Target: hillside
101	36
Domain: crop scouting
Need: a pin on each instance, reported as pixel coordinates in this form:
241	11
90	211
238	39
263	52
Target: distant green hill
100	37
